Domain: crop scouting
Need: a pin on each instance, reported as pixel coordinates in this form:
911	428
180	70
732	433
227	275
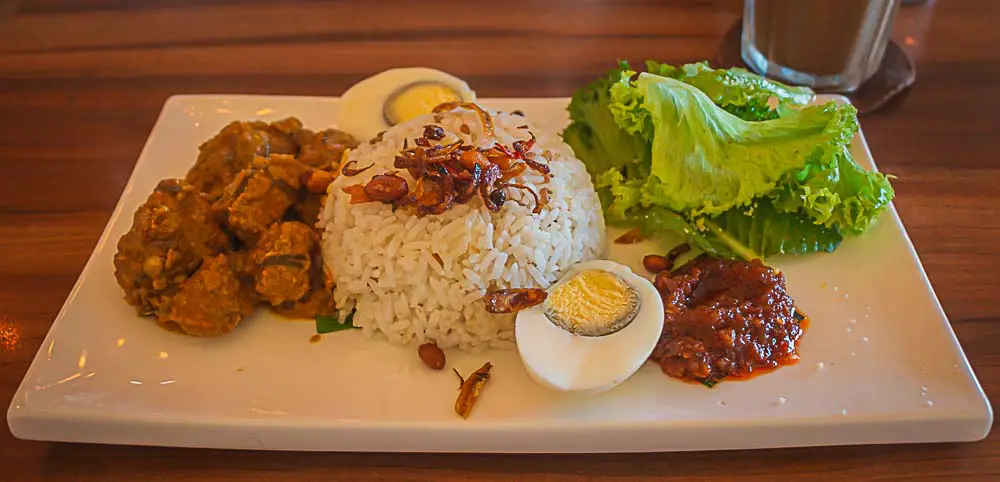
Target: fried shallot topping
449	173
484	117
470	388
433	132
349	171
513	299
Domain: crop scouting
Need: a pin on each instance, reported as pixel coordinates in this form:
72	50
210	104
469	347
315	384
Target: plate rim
19	418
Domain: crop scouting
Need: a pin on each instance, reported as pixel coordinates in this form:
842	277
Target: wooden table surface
82	81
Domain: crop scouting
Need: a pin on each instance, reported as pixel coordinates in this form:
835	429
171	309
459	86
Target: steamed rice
422	278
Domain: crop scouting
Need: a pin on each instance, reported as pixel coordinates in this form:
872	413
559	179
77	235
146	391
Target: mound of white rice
422	278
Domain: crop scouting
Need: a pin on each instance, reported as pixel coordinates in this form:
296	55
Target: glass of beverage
833	45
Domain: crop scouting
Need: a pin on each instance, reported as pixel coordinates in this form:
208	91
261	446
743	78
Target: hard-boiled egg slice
388	98
596	328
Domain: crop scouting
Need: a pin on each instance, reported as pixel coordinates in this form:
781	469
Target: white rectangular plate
880	363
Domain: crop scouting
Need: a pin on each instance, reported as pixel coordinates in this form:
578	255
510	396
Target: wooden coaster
895	74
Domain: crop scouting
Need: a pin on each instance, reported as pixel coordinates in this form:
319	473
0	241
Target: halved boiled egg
595	329
397	95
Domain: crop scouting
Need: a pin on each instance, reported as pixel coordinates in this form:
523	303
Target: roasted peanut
386	188
655	263
431	355
631	237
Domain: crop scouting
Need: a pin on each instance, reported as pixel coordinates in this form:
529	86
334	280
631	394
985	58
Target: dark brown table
82	81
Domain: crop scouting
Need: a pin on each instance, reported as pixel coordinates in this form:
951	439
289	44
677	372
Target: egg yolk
592	303
417	99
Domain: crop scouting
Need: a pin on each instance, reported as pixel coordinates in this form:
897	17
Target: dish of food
238	229
447	207
486	271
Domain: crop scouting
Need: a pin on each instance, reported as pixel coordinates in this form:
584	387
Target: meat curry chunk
323	152
323	149
209	303
284	257
240	228
244	267
311	199
259	195
308	208
318	301
289	271
235	147
170	235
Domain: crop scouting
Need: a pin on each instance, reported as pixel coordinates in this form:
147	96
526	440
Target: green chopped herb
709	382
330	324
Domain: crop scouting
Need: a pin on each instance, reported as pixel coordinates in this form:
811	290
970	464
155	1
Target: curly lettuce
739	165
835	192
593	133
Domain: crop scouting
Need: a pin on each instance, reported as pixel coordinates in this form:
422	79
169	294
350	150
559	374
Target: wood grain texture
82	81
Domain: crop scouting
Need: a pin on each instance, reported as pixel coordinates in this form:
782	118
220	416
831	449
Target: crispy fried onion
512	300
449	173
387	188
470	388
348	171
484	117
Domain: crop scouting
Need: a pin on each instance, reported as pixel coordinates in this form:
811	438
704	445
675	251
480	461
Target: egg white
361	105
563	361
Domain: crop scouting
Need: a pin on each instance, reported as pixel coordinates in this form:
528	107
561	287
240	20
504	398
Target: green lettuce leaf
657	221
595	138
764	231
741	93
836	193
737	86
741	233
755	110
738	165
705	160
598	142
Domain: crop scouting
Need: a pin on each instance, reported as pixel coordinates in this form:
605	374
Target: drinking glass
832	45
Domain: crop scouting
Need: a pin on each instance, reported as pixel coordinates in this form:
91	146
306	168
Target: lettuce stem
738	248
